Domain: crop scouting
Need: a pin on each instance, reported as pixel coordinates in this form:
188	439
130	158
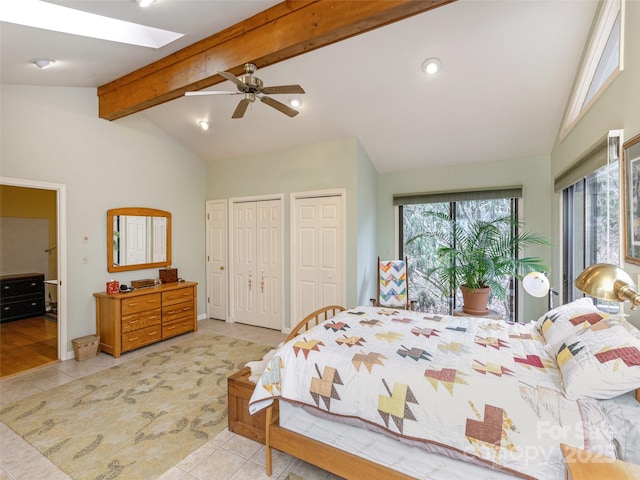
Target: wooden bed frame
322	455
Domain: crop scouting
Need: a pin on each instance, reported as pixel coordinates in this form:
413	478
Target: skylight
48	16
602	62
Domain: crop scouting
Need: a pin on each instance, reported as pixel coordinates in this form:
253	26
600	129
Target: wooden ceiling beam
284	31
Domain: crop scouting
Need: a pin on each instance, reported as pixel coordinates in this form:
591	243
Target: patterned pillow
557	324
601	361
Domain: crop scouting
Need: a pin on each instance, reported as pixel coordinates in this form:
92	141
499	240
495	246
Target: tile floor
226	456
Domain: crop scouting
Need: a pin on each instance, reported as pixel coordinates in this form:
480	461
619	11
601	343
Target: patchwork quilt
482	390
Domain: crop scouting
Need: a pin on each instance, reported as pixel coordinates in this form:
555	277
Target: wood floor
27	344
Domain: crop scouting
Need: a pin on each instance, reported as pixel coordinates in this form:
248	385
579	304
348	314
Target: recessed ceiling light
295	102
144	3
43	62
204	125
431	66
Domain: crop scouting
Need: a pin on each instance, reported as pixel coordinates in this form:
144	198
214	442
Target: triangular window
601	63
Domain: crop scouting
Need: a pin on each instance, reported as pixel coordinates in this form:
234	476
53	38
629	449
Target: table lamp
608	282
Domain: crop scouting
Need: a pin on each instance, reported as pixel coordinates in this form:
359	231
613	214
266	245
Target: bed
374	392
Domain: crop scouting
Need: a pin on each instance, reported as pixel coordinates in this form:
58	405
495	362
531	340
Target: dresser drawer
16	288
136	321
30	307
140	303
141	337
179	310
177	296
177	327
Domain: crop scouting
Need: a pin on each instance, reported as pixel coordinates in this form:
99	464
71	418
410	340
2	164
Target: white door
136	241
244	262
257	263
269	264
318	251
158	243
217	260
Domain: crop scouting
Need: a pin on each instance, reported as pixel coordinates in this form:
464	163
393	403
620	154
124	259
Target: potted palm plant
479	256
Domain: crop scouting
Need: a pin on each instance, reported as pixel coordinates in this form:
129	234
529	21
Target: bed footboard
322	455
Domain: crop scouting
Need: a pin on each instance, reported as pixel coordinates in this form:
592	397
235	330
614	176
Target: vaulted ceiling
508	68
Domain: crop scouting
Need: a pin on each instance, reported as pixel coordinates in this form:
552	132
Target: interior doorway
33	331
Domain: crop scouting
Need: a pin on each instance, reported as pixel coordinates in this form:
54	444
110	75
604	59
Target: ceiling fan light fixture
204	125
295	102
43	63
431	66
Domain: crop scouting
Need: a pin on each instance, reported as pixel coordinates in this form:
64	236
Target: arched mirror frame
136	211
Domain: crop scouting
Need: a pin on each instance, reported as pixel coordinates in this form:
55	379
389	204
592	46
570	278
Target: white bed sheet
383	450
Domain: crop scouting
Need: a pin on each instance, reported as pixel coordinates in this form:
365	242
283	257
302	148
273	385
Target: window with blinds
590	203
463	206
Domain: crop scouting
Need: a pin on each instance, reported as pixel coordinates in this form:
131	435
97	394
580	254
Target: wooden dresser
21	296
126	321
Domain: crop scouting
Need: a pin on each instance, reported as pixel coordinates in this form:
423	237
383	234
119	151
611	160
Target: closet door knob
221	267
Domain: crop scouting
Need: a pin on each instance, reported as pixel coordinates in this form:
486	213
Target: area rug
138	419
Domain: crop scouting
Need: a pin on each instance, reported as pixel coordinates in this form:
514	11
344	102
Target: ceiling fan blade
232	78
241	108
283	89
279	106
210	92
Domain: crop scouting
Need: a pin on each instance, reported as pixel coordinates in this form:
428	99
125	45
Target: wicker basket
85	347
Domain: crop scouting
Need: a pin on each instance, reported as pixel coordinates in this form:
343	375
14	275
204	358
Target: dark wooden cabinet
21	296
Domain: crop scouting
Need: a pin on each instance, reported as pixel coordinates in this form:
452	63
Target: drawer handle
171	312
33	303
171	328
133	339
151	301
153	317
132	304
186	309
6	287
7	308
34	284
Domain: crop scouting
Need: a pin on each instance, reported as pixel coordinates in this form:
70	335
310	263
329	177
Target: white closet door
318	266
217	259
269	264
244	262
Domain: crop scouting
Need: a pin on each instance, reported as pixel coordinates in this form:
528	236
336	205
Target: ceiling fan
251	87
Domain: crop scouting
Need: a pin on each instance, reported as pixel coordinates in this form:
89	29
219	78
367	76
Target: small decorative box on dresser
126	321
21	296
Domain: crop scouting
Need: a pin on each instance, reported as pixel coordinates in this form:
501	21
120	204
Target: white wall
617	108
367	211
322	166
52	134
531	173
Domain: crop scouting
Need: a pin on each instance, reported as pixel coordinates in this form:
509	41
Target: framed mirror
138	238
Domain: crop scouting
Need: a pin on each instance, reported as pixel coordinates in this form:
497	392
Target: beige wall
33	203
54	135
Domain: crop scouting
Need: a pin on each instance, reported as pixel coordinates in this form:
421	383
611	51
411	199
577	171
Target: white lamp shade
536	284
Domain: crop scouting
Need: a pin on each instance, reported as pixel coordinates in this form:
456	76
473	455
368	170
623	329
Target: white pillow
601	361
557	324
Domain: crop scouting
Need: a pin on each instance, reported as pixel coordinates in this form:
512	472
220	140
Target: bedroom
52	134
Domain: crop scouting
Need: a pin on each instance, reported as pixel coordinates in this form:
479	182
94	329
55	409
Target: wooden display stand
239	390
